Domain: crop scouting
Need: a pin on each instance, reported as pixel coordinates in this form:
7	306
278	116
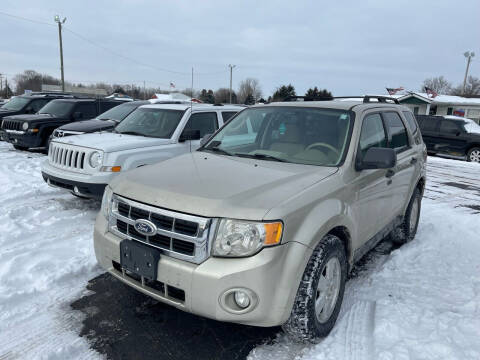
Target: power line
26	19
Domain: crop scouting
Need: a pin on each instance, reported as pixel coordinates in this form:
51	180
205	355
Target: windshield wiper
260	157
218	150
131	133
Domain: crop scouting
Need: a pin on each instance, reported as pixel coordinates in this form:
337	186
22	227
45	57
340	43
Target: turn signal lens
111	168
273	233
116	168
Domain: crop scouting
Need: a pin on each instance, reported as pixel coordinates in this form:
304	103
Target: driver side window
373	133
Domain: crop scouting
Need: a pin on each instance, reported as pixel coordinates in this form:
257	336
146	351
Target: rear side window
38	104
373	133
89	110
226	115
396	129
412	123
449	126
107	105
428	124
207	123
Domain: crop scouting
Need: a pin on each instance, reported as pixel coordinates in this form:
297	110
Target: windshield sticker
282	128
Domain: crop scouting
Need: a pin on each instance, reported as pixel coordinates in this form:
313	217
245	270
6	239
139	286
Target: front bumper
88	185
23	138
272	275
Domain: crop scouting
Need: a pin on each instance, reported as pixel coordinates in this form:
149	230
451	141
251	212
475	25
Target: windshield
117	113
311	136
16	103
151	122
58	108
471	126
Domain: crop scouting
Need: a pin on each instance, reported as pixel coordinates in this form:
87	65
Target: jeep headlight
95	159
244	238
107	201
25	126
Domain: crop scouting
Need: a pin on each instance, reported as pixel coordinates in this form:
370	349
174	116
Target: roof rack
366	98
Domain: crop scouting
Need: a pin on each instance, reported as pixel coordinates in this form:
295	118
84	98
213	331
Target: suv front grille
12	125
180	235
68	157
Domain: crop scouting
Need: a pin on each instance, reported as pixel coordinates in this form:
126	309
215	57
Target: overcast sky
348	47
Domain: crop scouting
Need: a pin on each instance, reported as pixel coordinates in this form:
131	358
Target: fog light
242	299
75	190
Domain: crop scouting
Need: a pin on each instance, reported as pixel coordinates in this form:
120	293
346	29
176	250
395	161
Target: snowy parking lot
419	301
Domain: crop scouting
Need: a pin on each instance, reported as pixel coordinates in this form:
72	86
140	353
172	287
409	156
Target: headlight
107	201
25	126
95	159
243	238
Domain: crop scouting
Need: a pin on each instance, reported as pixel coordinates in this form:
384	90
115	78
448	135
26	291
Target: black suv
104	122
27	104
30	131
451	136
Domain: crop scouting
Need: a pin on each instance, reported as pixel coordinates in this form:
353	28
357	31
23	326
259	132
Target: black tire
473	154
18	147
303	324
404	232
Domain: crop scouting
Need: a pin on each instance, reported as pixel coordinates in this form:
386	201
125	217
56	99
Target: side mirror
377	158
204	139
77	115
188	134
29	110
457	133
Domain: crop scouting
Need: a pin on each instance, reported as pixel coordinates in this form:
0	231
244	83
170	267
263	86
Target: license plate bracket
139	259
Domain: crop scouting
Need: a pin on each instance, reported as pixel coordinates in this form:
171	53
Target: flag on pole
172	85
431	92
393	91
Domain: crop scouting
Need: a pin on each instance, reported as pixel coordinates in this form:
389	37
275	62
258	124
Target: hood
212	185
31	117
111	142
89	125
4	112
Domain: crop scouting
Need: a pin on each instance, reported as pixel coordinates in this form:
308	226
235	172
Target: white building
422	104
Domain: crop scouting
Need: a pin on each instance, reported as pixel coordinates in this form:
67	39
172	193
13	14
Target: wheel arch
344	235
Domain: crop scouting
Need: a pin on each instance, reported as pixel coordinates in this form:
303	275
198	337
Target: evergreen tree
283	92
250	100
315	93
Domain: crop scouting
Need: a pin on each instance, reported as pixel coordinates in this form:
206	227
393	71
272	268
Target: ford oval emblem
145	227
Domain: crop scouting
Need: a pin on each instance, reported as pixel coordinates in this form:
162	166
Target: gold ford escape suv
261	225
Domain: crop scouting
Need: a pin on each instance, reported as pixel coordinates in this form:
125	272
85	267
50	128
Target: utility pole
469	55
144	91
231	70
6	87
60	23
1	83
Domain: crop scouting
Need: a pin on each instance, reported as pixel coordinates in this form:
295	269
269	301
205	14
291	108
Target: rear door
407	161
452	138
87	109
429	128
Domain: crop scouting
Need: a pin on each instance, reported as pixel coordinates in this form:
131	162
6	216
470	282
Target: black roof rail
365	98
307	98
380	99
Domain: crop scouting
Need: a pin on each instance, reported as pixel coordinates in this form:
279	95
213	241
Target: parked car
105	121
451	136
262	228
85	164
26	104
33	131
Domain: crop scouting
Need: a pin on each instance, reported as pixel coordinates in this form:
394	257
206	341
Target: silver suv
262	224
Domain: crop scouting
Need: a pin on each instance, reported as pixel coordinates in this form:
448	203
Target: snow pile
422	301
46	259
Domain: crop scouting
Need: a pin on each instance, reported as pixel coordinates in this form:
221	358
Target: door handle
389	173
414	160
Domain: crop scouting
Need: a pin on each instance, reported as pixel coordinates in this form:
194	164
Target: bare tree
32	80
438	84
472	88
249	86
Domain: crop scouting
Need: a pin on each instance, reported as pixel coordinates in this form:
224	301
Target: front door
372	187
452	138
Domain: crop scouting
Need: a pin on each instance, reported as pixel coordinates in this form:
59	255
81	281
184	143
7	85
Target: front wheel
320	294
473	155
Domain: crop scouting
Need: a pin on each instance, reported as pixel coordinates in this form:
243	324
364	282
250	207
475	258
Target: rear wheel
473	155
406	231
320	294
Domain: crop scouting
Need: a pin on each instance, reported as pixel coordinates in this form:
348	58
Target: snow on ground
46	258
421	301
